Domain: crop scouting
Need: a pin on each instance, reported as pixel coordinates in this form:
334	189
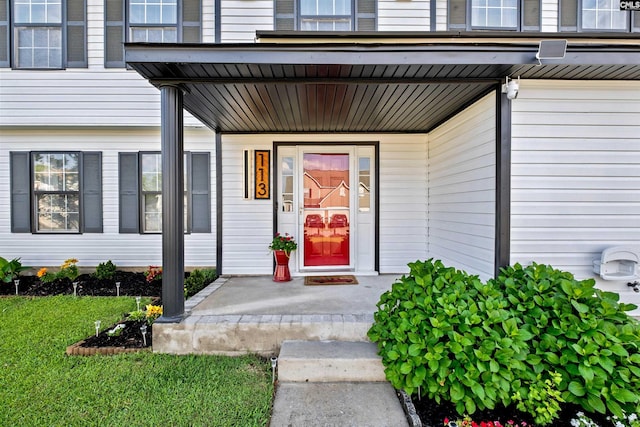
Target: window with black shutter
509	15
140	187
333	15
56	192
43	34
152	21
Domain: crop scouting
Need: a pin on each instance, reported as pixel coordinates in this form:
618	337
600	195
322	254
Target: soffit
355	87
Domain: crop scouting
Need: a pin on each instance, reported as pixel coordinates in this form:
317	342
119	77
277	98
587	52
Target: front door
325	200
326	209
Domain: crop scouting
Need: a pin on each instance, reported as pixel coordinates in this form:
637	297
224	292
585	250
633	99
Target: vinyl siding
576	174
394	15
441	15
95	33
549	14
125	250
77	97
248	224
462	164
241	19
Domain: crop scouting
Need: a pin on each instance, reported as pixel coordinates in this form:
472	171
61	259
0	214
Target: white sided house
187	133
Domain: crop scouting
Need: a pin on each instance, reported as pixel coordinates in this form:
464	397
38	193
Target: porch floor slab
253	314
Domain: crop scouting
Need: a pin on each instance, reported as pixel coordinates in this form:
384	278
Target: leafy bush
580	332
479	344
105	271
198	280
10	270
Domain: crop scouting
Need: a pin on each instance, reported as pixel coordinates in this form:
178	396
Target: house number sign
262	189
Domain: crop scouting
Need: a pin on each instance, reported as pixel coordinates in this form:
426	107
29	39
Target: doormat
330	280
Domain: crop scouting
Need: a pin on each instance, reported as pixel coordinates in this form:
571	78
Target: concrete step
329	361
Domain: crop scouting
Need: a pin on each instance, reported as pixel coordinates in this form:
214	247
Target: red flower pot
282	273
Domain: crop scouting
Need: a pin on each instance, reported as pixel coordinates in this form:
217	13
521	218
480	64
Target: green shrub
580	332
198	280
479	345
105	271
10	270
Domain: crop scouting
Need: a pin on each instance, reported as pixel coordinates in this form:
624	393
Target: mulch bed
131	284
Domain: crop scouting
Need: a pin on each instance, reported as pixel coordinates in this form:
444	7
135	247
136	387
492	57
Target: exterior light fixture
551	49
511	87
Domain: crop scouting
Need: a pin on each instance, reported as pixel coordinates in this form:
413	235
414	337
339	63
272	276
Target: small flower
42	272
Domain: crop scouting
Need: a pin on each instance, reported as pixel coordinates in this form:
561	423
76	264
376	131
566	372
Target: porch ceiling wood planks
360	87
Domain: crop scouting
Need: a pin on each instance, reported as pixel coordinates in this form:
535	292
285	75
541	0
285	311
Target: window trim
15	26
73	52
352	16
632	25
35	193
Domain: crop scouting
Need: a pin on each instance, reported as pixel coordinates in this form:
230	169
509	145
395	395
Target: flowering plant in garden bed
153	273
468	422
283	243
68	270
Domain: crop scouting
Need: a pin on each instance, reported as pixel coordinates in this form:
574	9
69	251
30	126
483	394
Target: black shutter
191	21
458	14
4	34
77	34
20	192
92	192
114	34
200	193
285	15
531	15
568	15
129	211
365	15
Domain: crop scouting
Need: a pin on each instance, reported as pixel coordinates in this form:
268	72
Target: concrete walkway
333	383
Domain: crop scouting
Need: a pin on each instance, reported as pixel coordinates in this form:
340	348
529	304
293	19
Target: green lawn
41	386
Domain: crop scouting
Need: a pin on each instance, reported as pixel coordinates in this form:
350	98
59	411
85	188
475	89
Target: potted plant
282	245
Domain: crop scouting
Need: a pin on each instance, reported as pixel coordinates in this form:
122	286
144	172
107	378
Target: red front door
326	211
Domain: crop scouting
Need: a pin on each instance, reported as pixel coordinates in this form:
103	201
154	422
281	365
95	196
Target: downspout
502	250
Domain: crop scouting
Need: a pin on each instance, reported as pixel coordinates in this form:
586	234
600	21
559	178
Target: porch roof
363	82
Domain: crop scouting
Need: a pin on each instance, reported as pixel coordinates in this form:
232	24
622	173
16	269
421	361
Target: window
597	16
152	21
513	15
56	192
44	34
325	15
141	193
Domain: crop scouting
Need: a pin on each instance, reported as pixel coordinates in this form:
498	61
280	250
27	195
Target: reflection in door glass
287	184
364	184
326	209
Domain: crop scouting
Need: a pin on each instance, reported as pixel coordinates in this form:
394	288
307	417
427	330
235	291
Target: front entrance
326	202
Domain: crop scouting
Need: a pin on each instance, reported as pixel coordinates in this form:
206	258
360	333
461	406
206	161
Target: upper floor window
325	15
153	21
149	21
43	34
513	15
38	33
597	16
56	192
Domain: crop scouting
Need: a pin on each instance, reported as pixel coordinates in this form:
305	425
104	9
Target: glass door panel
326	210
